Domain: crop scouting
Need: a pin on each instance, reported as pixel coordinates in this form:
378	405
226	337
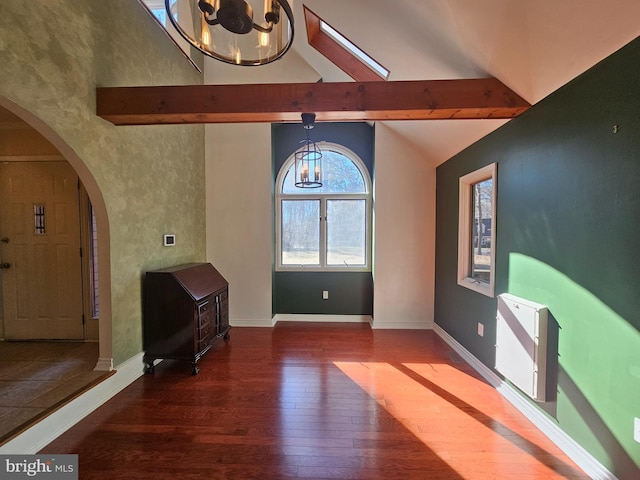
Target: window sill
477	286
315	268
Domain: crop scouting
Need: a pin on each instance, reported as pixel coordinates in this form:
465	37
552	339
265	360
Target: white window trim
465	216
279	196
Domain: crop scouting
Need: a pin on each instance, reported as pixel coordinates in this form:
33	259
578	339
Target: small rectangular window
93	267
482	211
476	230
39	219
354	50
161	15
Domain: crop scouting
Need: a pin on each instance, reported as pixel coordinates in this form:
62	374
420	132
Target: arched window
325	228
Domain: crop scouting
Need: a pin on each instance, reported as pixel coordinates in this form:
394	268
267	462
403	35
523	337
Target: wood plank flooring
328	401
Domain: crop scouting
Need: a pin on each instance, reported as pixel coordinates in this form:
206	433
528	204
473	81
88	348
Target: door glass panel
38	219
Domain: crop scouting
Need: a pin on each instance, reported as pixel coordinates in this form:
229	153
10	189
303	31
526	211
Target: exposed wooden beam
346	101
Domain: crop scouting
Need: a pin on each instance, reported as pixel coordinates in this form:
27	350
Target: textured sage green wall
54	53
568	233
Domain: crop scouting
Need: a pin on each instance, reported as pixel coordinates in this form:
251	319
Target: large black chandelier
251	32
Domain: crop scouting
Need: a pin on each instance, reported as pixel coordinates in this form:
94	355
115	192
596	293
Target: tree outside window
325	228
476	230
482	208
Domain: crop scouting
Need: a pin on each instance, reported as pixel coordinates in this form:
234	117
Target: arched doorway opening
100	257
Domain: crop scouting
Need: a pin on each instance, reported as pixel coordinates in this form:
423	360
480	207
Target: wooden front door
40	251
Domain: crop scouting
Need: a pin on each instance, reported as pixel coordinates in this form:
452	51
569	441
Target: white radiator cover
521	344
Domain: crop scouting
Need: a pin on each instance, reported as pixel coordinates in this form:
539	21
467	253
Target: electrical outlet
325	294
480	329
636	429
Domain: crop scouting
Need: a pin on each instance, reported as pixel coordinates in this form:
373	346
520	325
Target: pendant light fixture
251	32
308	159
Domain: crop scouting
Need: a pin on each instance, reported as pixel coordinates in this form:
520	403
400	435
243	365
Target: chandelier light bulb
262	29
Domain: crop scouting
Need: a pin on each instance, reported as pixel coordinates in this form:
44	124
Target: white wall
239	203
240	225
404	236
239	218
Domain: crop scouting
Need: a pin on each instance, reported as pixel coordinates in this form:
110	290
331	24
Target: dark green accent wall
568	236
350	293
357	137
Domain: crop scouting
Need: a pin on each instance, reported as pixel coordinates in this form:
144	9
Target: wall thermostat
169	240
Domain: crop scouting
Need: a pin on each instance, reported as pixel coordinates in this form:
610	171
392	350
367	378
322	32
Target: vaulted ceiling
532	46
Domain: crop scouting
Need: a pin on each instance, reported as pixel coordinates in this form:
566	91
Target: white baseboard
564	442
51	427
252	322
104	365
286	317
37	437
400	325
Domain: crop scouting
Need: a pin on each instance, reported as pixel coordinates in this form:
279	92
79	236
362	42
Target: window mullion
323	231
296	230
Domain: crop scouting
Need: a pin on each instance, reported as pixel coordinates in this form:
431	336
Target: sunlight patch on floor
428	400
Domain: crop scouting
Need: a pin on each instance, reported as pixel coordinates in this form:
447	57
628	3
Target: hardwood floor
331	401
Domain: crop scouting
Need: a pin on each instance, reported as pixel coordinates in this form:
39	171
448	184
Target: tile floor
38	377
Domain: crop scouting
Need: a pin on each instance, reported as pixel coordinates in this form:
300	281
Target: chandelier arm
211	21
287	9
262	29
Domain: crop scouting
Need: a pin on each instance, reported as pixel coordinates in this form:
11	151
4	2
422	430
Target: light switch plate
636	429
325	294
480	329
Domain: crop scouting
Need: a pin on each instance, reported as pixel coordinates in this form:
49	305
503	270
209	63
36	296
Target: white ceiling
533	46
